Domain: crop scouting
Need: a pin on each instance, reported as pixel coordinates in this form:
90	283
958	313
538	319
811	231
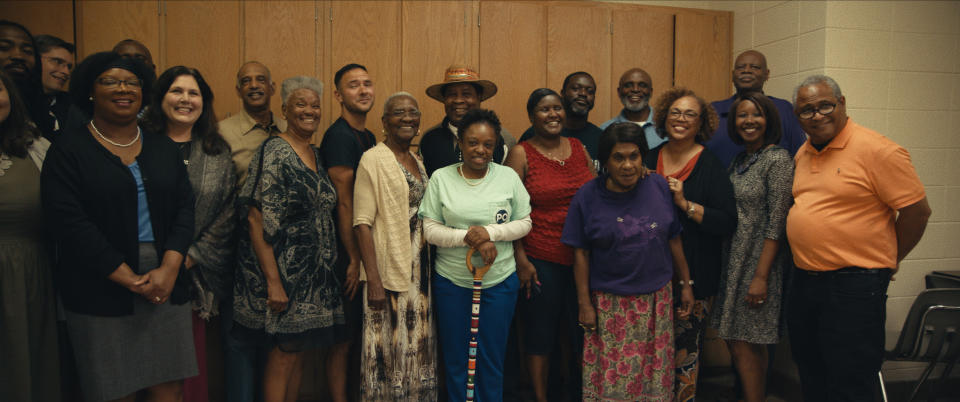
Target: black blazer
90	209
708	185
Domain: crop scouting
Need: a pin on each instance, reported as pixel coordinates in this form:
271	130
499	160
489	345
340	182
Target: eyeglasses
823	109
401	113
59	62
676	114
110	82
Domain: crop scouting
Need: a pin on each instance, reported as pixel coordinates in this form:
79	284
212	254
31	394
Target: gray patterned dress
763	193
399	346
297	204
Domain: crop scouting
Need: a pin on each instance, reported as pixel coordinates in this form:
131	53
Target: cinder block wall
898	64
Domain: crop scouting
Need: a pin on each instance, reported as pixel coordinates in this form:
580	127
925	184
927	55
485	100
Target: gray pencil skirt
117	356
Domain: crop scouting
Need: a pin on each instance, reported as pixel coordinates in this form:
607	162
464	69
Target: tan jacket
381	200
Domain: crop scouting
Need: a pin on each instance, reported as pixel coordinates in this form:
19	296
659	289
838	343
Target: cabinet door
513	54
101	24
206	35
578	39
641	38
41	17
703	54
436	34
283	35
368	33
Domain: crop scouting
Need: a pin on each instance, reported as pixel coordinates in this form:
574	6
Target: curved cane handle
478	273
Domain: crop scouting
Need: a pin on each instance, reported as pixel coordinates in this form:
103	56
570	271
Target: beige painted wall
898	64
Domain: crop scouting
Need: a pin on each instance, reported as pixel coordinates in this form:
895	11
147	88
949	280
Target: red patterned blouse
551	185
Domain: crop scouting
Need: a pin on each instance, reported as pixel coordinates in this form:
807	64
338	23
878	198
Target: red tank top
551	185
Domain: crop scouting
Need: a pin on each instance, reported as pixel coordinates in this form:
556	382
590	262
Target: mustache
13	64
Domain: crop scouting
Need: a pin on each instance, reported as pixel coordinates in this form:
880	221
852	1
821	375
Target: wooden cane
478	274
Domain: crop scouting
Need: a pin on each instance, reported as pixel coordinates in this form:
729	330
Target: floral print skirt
630	356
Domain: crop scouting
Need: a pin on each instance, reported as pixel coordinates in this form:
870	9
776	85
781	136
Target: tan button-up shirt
244	136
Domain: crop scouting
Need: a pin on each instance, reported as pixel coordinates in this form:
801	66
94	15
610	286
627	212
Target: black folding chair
937	280
931	334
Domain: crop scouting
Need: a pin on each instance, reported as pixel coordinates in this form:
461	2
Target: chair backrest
911	336
936	281
940	340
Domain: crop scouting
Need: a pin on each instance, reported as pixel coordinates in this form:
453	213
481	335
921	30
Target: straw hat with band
457	74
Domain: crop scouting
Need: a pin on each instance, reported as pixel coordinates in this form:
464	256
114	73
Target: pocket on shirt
500	211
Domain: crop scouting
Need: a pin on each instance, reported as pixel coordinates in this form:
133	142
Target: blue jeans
243	361
836	322
453	306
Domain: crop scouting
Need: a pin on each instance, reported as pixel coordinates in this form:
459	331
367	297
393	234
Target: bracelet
691	209
683	282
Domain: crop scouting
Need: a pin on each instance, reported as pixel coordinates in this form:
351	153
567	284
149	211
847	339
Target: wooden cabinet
434	35
578	39
101	24
286	37
641	38
204	35
368	33
513	54
702	46
407	44
41	16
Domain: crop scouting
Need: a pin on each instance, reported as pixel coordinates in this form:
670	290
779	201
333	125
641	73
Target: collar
649	121
840	141
248	124
450	126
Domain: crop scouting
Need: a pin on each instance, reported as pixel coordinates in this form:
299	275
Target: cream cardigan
381	201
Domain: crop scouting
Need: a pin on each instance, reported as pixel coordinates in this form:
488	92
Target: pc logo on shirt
502	216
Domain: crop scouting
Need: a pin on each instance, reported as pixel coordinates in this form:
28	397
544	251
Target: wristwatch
691	209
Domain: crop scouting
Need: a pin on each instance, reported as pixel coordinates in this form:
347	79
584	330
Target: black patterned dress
297	204
763	186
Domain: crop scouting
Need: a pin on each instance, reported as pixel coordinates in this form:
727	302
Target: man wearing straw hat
461	90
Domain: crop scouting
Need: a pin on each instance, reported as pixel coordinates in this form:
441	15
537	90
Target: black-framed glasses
401	113
689	114
110	82
823	109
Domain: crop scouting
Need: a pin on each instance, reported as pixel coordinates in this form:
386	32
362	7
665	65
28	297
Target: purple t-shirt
628	234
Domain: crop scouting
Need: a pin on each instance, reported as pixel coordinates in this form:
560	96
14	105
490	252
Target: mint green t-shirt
499	198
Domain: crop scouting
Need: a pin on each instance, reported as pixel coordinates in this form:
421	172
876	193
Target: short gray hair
300	82
393	97
818	79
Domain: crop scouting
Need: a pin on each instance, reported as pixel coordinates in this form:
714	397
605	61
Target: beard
576	109
634	106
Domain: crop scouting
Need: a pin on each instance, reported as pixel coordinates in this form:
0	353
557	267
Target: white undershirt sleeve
510	231
441	235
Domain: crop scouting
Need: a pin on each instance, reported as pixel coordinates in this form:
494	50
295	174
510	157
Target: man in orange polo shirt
859	209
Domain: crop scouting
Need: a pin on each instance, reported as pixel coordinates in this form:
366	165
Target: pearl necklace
477	182
135	139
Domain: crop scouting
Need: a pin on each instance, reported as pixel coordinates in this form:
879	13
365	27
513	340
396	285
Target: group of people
598	254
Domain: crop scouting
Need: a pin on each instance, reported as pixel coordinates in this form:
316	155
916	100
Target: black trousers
836	323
